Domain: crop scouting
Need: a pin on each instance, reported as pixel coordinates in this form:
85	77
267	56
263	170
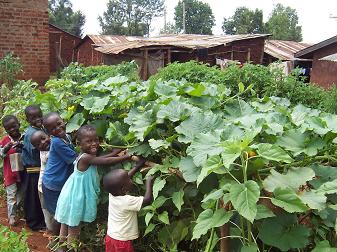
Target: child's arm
104	160
148	193
5	149
136	168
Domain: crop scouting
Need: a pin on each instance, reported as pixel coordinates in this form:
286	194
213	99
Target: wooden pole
168	56
248	55
145	64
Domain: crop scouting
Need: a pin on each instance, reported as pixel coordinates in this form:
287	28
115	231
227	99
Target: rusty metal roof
188	41
100	40
331	57
309	51
282	49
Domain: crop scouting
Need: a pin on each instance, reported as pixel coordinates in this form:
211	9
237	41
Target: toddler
78	199
8	146
123	208
41	141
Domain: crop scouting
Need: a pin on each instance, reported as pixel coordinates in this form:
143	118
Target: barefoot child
8	146
59	165
123	208
41	141
78	199
31	163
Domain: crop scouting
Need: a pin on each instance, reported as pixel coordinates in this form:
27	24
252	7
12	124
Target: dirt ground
36	241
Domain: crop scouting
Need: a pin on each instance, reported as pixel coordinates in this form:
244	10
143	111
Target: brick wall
61	48
87	55
24	31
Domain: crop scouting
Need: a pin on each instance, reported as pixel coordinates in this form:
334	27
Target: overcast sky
314	15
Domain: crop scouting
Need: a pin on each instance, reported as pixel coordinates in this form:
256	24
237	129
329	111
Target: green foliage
12	241
199	18
260	164
244	21
130	17
62	15
283	24
10	67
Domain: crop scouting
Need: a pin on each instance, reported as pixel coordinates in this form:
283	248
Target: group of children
60	188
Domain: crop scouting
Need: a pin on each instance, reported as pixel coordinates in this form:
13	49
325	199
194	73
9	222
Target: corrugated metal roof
331	57
189	41
111	39
308	52
282	49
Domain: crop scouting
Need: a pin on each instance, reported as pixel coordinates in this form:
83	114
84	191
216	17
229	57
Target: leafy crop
259	171
12	241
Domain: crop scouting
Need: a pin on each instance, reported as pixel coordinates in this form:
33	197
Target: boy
8	146
41	141
31	163
59	165
122	219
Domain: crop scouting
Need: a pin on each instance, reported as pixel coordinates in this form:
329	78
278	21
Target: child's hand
140	162
150	180
7	147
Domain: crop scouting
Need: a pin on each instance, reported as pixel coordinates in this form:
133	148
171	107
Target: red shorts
112	245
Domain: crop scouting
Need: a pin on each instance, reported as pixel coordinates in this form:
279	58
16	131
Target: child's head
117	182
12	126
34	116
40	140
54	125
87	139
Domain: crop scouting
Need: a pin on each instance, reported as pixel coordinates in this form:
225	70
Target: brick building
24	31
324	70
61	48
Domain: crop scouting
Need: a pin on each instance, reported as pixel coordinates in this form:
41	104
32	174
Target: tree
283	24
170	28
199	18
62	15
130	17
244	21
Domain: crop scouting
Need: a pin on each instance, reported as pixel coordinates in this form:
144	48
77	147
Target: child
59	165
31	163
122	219
41	141
78	199
11	179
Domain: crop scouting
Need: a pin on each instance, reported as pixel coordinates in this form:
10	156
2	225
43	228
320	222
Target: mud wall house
24	32
282	53
324	68
153	53
61	48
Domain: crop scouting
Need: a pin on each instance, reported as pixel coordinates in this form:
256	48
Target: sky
314	15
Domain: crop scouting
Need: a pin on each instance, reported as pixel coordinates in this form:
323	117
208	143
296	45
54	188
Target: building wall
61	48
24	31
324	73
87	55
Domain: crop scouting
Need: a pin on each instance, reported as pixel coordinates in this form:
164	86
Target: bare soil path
36	241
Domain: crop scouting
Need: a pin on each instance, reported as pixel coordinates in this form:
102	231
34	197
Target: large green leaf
273	152
189	169
207	220
244	198
158	185
300	114
95	104
171	235
328	187
175	111
141	123
323	174
294	178
213	164
75	122
165	89
298	142
284	233
163	217
249	248
203	146
287	199
178	199
263	212
323	246
198	123
313	199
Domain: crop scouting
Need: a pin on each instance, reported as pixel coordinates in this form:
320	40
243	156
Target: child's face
12	127
55	126
89	142
41	141
34	117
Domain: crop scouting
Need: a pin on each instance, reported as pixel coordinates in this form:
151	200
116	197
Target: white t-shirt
122	220
44	158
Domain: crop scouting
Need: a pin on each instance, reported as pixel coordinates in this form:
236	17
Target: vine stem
209	245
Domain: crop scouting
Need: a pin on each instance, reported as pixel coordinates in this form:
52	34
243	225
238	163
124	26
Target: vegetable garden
237	168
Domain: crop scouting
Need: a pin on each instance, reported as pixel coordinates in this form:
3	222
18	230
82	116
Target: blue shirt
30	155
59	164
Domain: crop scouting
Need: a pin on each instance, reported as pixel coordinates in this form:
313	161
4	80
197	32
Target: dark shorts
50	199
112	245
